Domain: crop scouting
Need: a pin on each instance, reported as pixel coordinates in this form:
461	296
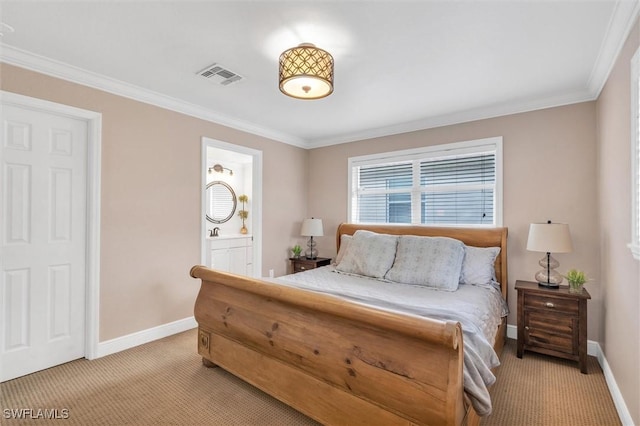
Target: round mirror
221	202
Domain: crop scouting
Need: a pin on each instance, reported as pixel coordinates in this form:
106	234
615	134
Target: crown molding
31	61
622	20
460	117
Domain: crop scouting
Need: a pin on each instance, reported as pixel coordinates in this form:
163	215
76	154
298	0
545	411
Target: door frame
256	189
92	255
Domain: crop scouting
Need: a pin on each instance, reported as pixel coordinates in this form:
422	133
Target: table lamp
549	238
311	228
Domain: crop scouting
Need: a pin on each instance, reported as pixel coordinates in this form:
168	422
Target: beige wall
549	173
620	272
565	164
150	214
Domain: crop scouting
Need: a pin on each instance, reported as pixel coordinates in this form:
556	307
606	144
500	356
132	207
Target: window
635	155
454	184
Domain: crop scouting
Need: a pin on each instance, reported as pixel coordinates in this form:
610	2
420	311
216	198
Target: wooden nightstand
552	321
303	264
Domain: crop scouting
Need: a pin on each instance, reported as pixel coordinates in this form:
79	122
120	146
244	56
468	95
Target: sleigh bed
349	359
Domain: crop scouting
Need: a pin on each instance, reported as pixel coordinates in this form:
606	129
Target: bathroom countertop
229	236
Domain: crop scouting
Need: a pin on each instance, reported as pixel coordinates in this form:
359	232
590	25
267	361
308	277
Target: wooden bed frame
341	362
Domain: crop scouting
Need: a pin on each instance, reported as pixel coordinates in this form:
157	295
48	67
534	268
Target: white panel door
42	240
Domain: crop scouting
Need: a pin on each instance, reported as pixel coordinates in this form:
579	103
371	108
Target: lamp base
311	252
548	277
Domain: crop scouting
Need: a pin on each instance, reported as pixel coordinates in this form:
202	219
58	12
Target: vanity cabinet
233	254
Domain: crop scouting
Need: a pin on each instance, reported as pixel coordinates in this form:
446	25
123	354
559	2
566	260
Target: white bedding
478	309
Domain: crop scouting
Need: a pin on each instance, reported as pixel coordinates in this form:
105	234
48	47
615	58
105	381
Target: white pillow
369	254
428	261
345	240
478	266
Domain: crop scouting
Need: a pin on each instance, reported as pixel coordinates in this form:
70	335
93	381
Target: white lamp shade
549	238
312	228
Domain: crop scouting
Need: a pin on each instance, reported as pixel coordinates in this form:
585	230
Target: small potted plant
576	280
296	251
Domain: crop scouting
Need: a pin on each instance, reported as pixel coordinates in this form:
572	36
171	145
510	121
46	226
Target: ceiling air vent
218	74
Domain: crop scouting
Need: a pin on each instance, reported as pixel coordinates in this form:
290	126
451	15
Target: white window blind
385	193
458	189
453	184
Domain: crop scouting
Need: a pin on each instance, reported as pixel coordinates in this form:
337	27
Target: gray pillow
345	241
478	266
428	261
369	254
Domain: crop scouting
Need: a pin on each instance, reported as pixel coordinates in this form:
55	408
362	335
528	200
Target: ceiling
399	65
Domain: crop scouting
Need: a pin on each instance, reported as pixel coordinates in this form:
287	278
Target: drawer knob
303	268
526	327
549	305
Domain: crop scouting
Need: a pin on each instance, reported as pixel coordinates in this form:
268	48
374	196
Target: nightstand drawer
551	331
303	264
298	267
551	303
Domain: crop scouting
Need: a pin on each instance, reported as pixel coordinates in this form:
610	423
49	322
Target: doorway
237	244
49	236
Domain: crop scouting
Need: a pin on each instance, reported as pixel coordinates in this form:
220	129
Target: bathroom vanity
231	253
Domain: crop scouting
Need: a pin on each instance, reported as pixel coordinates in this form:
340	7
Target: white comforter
478	309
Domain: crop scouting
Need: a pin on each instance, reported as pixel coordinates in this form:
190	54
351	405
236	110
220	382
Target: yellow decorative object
244	214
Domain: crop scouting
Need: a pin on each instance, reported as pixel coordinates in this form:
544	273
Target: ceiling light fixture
306	72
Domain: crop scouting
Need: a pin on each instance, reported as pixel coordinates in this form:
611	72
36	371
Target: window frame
634	245
417	154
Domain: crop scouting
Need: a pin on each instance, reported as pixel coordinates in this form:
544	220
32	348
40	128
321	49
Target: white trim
499	207
94	185
94	149
622	20
31	61
594	349
634	245
459	117
256	194
144	336
472	146
614	390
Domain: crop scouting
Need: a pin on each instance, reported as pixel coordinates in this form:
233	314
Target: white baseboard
618	401
593	349
145	336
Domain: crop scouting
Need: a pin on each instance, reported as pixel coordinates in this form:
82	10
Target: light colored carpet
543	390
165	383
159	383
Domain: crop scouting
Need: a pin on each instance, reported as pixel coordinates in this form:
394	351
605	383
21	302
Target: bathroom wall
240	181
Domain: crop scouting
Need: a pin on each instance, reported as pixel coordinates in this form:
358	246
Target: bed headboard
477	237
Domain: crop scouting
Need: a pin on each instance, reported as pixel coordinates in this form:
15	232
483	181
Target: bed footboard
338	362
